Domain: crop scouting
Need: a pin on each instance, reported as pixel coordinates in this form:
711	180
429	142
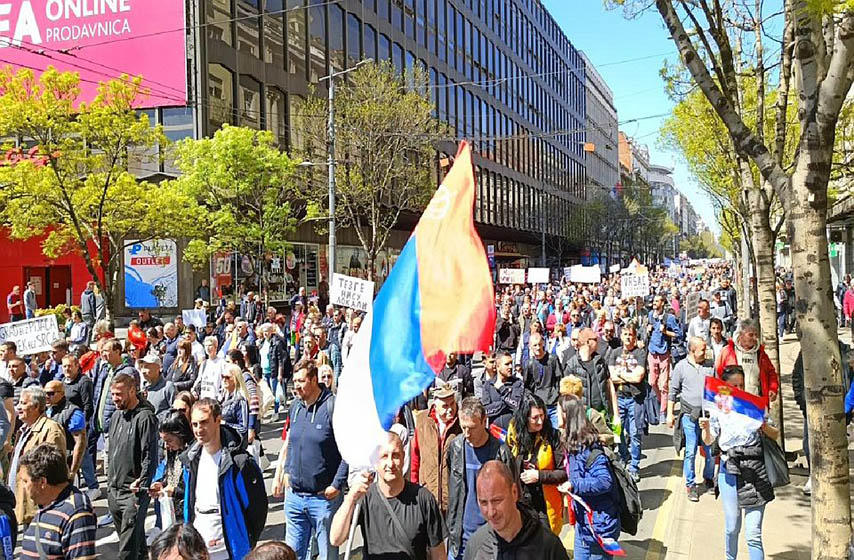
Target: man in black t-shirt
627	366
400	520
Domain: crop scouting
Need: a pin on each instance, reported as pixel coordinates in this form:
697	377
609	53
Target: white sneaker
93	494
807	489
274	417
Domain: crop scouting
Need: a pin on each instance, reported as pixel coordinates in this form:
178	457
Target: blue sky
614	44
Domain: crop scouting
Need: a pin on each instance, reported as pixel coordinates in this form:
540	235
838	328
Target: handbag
267	397
775	462
258	454
167	510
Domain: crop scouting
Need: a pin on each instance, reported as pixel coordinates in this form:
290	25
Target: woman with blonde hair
572	385
235	400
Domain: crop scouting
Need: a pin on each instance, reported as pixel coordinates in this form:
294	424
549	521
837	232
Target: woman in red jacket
760	377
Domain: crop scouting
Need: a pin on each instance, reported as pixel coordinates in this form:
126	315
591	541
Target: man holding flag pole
404	340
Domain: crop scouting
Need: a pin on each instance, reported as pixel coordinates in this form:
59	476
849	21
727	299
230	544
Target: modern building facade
502	74
603	162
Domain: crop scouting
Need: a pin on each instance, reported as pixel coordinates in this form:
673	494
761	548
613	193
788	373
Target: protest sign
349	291
692	300
31	336
538	276
634	285
585	274
511	275
614	268
196	317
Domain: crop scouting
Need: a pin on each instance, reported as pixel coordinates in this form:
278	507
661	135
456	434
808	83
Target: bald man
512	530
73	421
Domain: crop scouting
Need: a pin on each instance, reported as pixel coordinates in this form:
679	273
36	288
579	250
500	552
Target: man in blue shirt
663	329
311	472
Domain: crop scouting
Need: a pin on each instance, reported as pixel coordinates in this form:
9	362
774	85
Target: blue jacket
313	462
243	497
658	342
598	487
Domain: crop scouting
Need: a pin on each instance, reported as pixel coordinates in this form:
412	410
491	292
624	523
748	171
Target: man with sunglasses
73	421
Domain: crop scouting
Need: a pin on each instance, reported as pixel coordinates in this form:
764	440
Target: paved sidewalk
697	529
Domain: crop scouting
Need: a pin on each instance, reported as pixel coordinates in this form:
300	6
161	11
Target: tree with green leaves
386	166
717	42
80	188
246	186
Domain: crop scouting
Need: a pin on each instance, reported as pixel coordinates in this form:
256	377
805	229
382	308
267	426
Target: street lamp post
330	160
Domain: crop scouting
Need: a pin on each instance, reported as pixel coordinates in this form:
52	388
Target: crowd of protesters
489	462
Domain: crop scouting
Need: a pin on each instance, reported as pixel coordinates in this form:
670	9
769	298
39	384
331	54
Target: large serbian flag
438	299
723	400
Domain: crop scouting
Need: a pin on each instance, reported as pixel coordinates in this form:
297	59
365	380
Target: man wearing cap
156	389
435	430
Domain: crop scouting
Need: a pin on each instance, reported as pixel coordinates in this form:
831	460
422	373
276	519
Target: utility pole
330	159
330	168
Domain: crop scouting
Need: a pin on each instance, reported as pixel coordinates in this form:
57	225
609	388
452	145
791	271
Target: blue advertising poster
151	274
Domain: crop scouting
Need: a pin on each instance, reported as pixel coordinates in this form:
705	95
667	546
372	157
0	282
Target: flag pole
353	522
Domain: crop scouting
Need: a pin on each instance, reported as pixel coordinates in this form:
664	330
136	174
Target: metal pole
543	223
330	157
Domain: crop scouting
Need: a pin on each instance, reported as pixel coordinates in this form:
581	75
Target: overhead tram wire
202	25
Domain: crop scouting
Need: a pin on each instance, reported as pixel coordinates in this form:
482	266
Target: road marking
659	530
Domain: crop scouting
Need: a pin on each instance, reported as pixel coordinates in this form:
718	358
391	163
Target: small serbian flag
722	400
437	299
498	433
609	545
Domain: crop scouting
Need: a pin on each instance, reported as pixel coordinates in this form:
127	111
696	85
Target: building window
383	10
370	42
440	26
420	24
250	103
295	130
336	38
397	57
431	26
449	34
220	97
274	34
397	14
248	35
354	40
317	42
274	115
219	20
177	123
385	48
409	18
296	38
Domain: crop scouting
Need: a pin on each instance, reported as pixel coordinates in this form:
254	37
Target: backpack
631	509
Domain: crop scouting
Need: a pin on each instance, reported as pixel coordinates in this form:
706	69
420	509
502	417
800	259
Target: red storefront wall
56	279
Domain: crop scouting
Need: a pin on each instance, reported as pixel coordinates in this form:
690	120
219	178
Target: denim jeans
306	514
693	439
732	514
273	383
91	456
781	324
588	551
335	358
631	432
552	412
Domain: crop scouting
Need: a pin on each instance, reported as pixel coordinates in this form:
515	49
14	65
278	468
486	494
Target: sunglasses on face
50	393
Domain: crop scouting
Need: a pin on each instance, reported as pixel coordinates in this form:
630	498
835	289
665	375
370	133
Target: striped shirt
66	528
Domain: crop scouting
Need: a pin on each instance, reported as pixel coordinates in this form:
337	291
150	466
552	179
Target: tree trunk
824	387
766	293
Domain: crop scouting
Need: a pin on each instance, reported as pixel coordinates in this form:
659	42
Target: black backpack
631	509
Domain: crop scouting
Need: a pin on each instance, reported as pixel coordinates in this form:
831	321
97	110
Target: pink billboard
101	40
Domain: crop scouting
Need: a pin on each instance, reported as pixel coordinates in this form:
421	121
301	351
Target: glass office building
502	72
